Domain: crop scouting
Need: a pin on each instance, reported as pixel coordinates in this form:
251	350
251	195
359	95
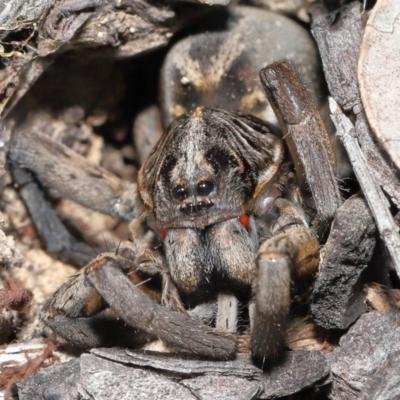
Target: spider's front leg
59	168
73	177
73	310
292	252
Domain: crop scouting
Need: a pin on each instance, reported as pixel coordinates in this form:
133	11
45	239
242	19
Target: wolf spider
218	214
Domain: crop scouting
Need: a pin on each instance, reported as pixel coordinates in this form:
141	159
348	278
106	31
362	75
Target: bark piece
104	379
373	193
223	387
57	382
362	353
241	367
57	239
385	382
297	371
132	383
379	73
338	36
283	380
66	17
15	13
338	298
118	373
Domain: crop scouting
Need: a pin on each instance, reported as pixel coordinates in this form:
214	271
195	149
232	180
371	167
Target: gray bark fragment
223	387
338	36
241	367
385	383
338	298
297	371
104	379
363	354
375	197
56	382
117	373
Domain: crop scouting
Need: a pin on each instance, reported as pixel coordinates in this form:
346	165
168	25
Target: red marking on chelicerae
163	234
244	220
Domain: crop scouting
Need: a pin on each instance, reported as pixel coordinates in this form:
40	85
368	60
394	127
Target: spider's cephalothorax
212	165
207	177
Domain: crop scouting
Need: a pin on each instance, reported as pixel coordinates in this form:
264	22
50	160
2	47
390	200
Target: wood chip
373	193
379	75
362	352
338	36
123	374
338	298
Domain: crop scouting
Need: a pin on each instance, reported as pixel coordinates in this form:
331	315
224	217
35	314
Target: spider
218	216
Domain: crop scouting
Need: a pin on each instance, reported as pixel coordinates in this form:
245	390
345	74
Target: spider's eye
180	192
204	188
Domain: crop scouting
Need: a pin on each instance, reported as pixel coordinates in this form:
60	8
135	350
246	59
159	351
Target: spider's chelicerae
219	217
